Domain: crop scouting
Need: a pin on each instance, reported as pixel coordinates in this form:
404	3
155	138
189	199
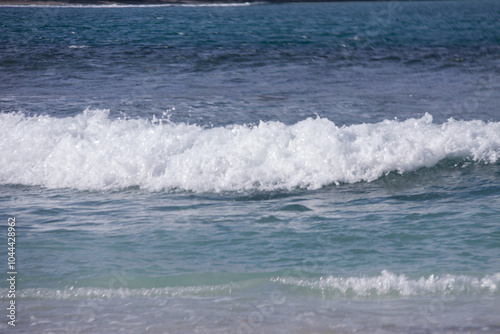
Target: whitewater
90	151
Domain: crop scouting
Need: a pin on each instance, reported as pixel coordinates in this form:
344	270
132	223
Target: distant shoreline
149	2
107	3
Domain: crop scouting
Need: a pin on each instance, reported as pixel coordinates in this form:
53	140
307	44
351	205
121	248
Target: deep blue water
266	168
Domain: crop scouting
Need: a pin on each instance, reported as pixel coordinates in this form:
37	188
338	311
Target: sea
250	168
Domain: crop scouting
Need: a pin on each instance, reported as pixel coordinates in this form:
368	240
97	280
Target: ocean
251	168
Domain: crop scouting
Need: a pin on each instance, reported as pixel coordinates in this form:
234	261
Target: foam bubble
90	151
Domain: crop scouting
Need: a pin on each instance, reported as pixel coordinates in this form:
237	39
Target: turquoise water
266	168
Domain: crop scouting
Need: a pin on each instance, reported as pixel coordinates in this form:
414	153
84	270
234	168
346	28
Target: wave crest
384	284
93	152
388	283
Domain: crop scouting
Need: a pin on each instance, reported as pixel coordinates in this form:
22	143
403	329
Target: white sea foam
388	283
385	284
92	292
93	152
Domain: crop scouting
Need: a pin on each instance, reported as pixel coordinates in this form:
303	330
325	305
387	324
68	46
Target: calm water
292	168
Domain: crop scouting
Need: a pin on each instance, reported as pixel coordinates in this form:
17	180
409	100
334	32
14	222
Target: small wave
388	283
93	152
385	284
92	292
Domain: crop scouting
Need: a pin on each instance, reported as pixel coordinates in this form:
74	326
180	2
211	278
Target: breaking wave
388	283
384	284
91	151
